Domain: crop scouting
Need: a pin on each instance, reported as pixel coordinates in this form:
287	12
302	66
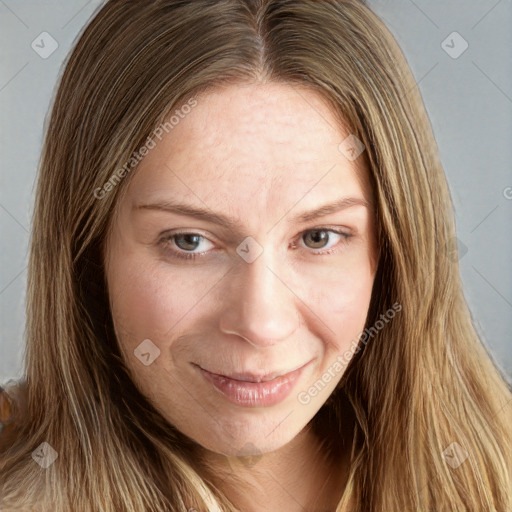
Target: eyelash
180	254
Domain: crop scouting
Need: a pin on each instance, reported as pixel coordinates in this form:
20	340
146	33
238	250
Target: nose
262	305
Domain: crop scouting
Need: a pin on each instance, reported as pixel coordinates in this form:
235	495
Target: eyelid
196	231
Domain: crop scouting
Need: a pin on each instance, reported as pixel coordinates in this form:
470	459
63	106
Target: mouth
251	389
253	377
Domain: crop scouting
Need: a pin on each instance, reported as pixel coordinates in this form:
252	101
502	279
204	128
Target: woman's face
261	283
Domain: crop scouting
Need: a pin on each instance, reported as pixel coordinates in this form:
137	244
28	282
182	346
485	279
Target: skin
260	154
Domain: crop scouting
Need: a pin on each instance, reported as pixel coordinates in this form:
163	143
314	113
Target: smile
249	390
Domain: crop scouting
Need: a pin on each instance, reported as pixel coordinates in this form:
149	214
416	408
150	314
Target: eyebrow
233	225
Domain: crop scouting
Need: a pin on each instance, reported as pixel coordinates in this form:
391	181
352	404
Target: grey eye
187	241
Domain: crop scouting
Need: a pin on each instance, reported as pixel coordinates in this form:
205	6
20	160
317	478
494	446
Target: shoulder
12	401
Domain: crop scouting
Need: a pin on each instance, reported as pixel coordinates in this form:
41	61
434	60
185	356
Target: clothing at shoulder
11	405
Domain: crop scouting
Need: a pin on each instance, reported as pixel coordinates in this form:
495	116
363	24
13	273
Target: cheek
349	303
149	303
342	303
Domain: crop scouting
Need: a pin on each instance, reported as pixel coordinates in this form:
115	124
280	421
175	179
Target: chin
249	436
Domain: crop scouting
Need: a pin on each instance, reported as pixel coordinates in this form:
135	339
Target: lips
253	377
260	391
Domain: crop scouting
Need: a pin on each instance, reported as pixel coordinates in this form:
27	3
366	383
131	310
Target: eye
183	244
319	238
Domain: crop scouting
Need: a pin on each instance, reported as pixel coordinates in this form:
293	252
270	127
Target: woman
311	349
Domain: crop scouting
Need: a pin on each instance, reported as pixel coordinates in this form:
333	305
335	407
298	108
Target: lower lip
254	394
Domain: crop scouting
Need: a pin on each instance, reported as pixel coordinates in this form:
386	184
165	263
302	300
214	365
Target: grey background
469	101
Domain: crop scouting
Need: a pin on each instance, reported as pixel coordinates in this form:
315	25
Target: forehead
252	146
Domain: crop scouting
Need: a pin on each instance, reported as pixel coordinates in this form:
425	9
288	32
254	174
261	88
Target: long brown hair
424	392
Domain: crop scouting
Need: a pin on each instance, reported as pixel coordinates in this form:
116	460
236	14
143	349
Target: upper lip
254	377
